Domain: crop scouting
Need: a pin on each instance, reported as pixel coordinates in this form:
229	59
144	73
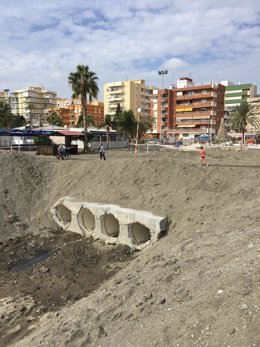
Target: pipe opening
140	233
63	213
87	220
110	225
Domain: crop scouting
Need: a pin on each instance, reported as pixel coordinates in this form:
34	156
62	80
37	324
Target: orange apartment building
70	111
197	109
162	111
187	110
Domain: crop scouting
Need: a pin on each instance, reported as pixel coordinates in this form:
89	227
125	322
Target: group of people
62	150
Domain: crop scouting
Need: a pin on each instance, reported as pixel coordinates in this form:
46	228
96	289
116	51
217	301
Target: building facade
187	110
255	104
197	109
5	96
31	103
130	95
162	111
237	93
70	110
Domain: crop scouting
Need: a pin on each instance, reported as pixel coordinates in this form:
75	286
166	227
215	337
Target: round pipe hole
63	213
140	233
110	225
87	220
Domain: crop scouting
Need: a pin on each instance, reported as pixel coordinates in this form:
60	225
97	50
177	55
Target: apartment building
70	110
31	103
162	111
255	104
131	95
236	93
5	96
197	109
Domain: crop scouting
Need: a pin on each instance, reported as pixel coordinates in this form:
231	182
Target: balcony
115	98
203	104
201	114
117	91
196	96
192	122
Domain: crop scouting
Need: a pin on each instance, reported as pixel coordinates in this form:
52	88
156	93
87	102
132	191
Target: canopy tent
5	131
30	132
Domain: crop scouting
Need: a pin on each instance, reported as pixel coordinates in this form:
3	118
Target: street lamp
162	73
139	110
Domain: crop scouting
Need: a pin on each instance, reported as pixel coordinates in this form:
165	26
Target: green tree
80	122
108	120
54	119
6	116
125	122
241	116
119	109
19	121
43	140
144	125
30	108
84	85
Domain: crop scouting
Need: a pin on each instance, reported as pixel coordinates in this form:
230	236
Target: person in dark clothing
102	152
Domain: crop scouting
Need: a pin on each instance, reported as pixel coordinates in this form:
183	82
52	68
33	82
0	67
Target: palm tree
84	85
241	116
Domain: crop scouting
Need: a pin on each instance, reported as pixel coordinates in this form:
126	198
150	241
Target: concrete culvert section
110	225
87	220
63	213
140	233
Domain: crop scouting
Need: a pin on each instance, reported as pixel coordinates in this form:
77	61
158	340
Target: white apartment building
31	103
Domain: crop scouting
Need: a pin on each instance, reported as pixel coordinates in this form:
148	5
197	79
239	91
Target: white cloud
174	63
42	42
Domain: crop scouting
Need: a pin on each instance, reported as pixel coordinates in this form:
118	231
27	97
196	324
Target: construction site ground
199	285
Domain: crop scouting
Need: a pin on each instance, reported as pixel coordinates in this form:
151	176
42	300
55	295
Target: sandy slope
198	286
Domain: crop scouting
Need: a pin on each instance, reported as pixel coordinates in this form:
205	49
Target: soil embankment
198	286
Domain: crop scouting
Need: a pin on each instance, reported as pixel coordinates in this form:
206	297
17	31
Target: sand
198	286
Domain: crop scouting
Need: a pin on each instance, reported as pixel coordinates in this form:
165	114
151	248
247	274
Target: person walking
203	157
61	151
102	152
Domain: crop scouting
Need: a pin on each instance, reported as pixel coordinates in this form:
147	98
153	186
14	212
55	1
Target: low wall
113	224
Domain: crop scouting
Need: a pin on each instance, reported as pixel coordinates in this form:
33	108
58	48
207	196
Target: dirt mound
198	286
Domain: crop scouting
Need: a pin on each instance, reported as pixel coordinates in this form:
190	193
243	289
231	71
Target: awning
186	126
69	133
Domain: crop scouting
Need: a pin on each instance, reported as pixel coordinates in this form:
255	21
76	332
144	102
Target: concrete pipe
110	225
63	213
86	220
140	233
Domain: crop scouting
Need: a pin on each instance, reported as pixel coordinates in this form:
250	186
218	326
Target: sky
42	42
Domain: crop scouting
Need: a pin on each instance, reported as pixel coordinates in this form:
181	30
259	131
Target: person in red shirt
203	156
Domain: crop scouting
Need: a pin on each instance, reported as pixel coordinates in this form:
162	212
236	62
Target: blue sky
43	41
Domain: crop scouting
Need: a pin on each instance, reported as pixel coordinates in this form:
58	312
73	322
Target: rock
244	307
10	219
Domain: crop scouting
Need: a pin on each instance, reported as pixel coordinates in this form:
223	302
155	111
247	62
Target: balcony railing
197	113
192	122
196	96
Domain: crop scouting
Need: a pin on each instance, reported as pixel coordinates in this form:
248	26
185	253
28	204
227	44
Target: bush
43	140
